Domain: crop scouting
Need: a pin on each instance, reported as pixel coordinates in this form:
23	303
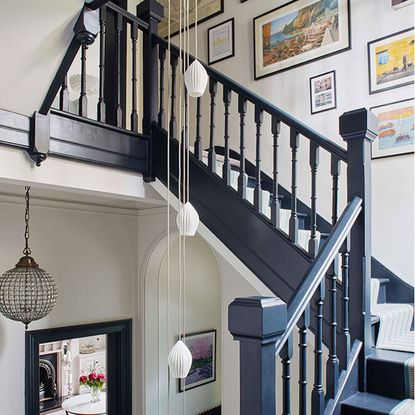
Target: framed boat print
391	61
221	41
396	129
206	9
202	346
298	32
323	92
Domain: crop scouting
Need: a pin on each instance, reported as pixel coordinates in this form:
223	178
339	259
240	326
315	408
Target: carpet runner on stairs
395	323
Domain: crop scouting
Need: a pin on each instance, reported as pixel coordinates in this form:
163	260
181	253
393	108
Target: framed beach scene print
298	32
202	346
206	9
391	61
323	92
396	129
221	41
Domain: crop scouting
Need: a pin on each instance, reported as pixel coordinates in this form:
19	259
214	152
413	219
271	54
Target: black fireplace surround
119	363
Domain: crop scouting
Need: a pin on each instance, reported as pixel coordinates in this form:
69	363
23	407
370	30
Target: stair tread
390	355
369	403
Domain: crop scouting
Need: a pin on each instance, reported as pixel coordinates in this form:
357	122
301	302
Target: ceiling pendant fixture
180	360
187	220
196	79
27	292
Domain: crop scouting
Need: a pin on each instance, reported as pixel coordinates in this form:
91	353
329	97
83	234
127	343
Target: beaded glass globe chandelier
27	292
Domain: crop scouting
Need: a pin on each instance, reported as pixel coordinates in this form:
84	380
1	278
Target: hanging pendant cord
26	249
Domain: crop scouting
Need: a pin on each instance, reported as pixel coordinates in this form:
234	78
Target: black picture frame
204	19
181	381
395	154
119	361
232	21
369	57
306	61
333	89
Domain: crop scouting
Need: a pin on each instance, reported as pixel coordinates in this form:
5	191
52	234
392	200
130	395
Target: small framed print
202	346
397	4
221	41
391	61
396	129
323	92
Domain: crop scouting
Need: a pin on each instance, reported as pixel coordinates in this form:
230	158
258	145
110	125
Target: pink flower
101	377
82	380
92	376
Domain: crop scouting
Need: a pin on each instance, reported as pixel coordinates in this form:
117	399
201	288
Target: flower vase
95	392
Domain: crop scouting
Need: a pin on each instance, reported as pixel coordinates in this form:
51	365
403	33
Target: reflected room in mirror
72	376
79	370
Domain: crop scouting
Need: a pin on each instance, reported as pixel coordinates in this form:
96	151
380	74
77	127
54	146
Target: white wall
34	36
393	194
93	258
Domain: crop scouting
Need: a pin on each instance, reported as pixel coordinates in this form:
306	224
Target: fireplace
49	382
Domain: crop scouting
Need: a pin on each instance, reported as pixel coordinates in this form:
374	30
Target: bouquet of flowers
95	381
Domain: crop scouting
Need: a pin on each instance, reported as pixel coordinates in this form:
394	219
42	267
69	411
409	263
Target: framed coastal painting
206	9
391	61
323	92
221	41
397	4
203	348
396	129
298	32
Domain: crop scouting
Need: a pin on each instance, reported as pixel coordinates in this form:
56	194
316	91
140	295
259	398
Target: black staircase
320	269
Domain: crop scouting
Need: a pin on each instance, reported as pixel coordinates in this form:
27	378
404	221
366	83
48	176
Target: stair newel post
345	300
275	201
359	129
118	34
213	90
257	323
134	113
227	95
259	117
314	162
173	119
151	12
286	355
243	177
293	224
101	107
198	151
317	395
304	323
64	95
83	99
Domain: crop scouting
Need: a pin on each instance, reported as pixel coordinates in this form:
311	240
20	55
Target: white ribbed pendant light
187	220
196	79
180	360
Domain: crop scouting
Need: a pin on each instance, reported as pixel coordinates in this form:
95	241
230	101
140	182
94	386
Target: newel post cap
150	9
262	319
358	124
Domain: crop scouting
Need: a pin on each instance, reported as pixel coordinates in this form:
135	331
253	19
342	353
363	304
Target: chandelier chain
27	250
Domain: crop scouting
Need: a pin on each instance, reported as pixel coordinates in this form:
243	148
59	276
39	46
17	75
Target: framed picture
298	32
206	9
391	61
397	4
396	129
203	348
221	41
323	92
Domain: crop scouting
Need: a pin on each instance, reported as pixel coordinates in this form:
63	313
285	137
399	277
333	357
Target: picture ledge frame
119	361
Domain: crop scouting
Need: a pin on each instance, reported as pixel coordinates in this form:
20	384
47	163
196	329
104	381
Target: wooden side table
81	405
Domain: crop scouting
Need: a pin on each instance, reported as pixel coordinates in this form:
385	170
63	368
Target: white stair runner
303	235
395	323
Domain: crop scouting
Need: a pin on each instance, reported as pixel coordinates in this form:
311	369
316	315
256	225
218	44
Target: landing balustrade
247	149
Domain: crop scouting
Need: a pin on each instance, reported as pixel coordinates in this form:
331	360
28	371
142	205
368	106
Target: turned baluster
293	225
226	170
303	324
118	108
64	95
243	177
213	89
275	201
259	116
198	141
314	162
286	355
173	120
101	107
83	100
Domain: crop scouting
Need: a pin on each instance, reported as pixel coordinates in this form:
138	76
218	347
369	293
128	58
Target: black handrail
264	105
129	17
319	267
